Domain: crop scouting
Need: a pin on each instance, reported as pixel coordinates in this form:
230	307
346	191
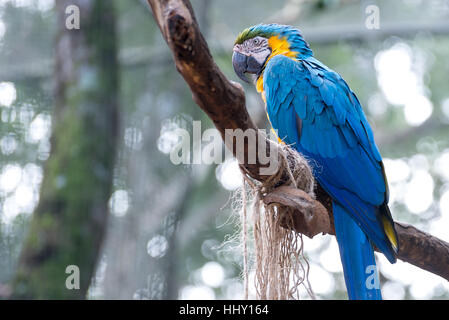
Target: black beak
239	62
245	64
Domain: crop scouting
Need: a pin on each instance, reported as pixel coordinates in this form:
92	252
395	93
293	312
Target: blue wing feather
335	134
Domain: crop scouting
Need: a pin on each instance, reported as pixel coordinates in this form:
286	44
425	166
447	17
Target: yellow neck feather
278	46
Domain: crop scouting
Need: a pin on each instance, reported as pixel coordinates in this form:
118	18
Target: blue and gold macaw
314	111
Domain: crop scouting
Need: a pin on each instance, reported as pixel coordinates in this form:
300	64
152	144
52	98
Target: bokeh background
169	224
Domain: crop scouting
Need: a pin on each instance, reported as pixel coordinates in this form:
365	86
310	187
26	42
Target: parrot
314	111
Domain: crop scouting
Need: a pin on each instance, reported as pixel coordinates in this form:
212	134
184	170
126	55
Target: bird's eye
255	41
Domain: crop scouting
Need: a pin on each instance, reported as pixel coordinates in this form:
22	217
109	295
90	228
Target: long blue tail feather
357	256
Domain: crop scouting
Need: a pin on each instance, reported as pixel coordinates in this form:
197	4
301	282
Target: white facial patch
258	48
261	56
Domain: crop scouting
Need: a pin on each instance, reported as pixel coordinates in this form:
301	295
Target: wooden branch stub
310	217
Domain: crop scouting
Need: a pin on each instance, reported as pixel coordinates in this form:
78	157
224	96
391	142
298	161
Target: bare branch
423	250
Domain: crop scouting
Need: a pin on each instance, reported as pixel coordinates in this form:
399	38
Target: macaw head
256	45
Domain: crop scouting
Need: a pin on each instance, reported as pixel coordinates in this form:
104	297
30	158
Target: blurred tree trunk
69	223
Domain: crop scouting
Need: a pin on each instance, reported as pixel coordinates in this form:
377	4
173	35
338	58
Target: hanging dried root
280	266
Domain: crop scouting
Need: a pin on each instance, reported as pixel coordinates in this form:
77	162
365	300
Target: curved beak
240	64
245	64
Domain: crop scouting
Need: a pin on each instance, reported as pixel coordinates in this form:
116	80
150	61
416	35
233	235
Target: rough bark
423	250
312	217
69	223
224	102
415	246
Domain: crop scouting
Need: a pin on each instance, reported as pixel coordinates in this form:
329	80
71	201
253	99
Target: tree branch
224	103
415	246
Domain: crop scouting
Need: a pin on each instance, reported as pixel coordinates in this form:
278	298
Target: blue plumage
356	260
315	111
336	137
